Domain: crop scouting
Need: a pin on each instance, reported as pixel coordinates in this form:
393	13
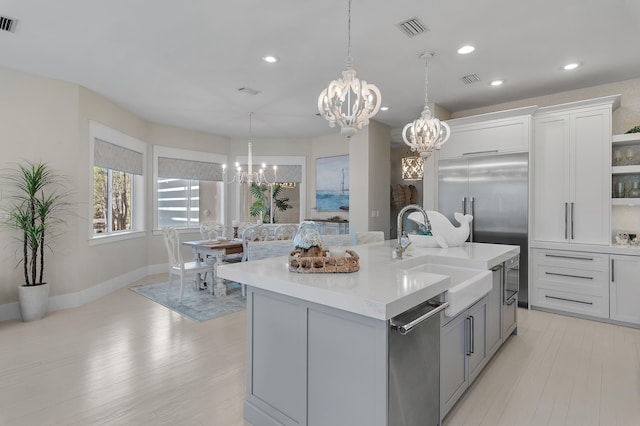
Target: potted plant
262	205
37	198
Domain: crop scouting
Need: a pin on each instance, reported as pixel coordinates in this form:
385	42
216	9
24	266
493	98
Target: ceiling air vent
413	27
7	24
248	90
470	78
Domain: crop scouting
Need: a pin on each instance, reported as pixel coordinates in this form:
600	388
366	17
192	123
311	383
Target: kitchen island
319	344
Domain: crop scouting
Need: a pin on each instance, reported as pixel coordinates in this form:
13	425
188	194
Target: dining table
215	252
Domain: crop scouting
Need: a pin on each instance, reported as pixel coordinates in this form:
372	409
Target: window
188	187
112	195
117	205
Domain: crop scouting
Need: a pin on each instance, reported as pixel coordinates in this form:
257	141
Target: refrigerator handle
464	205
566	234
472	213
572	235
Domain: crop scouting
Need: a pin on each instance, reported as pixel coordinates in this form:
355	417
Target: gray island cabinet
321	347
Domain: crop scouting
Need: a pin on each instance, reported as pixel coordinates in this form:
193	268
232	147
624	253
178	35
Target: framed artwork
332	183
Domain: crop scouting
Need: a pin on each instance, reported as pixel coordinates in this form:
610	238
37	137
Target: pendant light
348	101
427	133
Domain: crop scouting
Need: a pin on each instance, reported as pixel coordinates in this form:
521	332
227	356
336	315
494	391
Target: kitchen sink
467	285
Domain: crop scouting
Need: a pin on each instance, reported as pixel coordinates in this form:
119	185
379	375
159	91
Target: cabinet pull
572	208
568	300
613	271
568	275
472	333
480	152
467	321
566	217
569	257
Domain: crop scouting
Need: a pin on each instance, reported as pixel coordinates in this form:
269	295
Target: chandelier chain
349	57
426	81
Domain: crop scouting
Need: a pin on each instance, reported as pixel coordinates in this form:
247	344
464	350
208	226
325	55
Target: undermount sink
467	285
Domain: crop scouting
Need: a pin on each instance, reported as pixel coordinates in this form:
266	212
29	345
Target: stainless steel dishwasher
414	365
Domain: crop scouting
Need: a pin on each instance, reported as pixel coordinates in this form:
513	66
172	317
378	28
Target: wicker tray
324	263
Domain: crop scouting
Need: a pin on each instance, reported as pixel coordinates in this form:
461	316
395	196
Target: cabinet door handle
572	209
613	271
569	257
480	152
472	334
568	275
568	300
566	220
467	321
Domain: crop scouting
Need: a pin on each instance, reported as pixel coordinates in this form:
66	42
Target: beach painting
332	183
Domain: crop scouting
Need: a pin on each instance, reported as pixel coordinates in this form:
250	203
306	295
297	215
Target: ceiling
182	63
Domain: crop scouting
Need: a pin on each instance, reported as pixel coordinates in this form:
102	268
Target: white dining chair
285	231
366	237
212	230
177	266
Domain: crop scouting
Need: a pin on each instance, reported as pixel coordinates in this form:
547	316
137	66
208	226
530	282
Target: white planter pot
34	300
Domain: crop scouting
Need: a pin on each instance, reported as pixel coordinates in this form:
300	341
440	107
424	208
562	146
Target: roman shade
116	157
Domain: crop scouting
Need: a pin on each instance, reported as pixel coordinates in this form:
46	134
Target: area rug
197	305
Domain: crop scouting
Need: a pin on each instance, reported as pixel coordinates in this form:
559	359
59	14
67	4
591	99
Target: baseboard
10	311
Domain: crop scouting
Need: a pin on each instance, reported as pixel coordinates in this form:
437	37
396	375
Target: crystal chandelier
348	101
427	133
412	166
250	176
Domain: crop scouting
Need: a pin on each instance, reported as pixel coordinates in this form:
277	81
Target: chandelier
348	101
412	166
249	176
427	133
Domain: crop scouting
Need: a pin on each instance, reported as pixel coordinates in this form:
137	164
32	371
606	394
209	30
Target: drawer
595	306
571	259
583	281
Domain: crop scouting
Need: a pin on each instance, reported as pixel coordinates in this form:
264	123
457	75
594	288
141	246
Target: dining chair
253	233
211	230
177	266
369	237
285	231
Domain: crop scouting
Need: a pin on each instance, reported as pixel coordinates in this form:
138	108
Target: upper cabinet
571	172
625	170
501	132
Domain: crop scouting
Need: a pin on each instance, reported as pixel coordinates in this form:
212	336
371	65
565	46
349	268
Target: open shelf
626	139
625	170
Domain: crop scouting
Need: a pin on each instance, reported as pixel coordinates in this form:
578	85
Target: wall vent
7	24
413	27
248	90
470	78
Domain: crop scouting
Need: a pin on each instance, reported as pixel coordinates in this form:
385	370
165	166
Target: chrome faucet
400	248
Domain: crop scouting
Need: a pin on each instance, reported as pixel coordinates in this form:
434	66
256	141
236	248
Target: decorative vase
33	300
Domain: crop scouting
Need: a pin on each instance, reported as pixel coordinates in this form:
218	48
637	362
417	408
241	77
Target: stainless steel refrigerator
494	189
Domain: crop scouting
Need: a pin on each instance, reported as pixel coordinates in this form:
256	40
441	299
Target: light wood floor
124	360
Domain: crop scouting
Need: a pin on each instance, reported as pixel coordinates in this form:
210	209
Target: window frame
183	154
104	133
280	160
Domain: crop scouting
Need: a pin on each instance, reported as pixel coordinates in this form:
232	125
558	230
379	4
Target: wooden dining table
217	250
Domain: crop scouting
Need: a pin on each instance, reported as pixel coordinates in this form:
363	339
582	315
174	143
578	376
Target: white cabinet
570	281
462	353
625	288
571	172
502	132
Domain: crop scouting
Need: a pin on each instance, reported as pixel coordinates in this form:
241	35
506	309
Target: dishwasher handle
406	327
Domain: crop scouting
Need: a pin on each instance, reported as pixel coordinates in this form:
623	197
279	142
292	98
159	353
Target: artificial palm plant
37	202
262	205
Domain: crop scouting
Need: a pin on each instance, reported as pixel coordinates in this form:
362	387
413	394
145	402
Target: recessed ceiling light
497	82
571	66
270	59
466	49
384	108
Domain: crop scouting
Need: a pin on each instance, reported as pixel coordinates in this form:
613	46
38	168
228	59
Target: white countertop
381	289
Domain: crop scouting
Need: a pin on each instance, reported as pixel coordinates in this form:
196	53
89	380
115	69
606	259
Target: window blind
116	157
189	169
